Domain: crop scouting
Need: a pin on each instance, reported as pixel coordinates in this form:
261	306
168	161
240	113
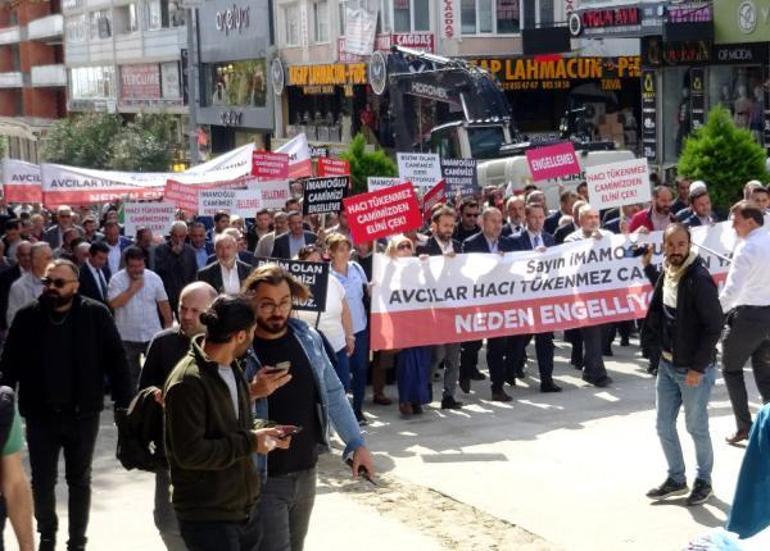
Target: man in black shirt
468	225
312	399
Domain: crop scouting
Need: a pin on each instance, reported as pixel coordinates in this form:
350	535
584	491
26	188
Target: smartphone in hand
280	367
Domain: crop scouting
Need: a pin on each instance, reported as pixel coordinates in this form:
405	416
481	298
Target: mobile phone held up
635	250
288	430
280	367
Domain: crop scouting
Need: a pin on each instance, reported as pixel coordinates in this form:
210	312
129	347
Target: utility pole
193	83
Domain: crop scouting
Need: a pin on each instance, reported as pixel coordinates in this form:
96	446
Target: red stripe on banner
19	193
83	197
449	325
301	169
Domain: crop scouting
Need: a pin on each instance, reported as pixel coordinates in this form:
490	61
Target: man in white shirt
226	274
137	295
745	299
28	287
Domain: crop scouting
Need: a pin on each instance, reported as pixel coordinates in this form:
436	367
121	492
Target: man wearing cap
54	235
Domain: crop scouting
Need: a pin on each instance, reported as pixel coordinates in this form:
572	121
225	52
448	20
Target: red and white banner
382	213
617	184
328	166
267	165
183	190
435	196
22	182
238	160
300	163
274	193
476	296
552	161
241	202
68	185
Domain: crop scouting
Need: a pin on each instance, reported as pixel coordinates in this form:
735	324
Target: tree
365	163
136	150
82	141
723	156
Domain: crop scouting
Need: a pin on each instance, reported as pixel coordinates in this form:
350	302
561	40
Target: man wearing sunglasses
468	224
58	352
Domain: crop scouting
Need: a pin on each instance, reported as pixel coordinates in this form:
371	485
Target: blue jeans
223	536
343	368
671	393
359	367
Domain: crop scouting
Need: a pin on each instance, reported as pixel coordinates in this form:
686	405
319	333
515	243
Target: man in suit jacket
95	273
441	243
227	273
244	255
53	235
515	222
175	263
488	240
533	238
289	244
7	277
702	215
567	198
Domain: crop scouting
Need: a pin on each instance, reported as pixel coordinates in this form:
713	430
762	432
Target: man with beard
312	399
211	434
59	350
658	216
685	321
175	263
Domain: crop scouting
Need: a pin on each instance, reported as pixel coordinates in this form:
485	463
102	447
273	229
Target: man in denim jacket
311	399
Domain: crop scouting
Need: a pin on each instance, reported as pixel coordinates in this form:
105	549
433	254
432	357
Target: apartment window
100	24
71	4
76	28
162	14
92	82
538	13
490	16
411	15
321	21
126	19
291	28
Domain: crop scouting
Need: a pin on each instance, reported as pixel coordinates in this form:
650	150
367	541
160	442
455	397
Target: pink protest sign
553	161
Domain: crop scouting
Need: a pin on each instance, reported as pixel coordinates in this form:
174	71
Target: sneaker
668	489
701	491
362	422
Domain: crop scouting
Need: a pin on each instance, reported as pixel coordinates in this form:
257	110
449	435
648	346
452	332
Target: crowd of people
194	322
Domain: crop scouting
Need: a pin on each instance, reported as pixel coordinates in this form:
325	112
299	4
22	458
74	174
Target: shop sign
741	21
448	18
549	74
418	41
697	98
140	81
653	18
606	21
234	19
336	74
318	90
690	12
740	54
429	91
649	115
231	118
656	53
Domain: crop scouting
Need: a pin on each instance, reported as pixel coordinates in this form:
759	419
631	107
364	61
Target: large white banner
360	26
298	150
66	185
476	296
21	182
237	160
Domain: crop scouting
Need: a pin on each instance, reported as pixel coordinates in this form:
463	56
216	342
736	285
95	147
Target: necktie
102	284
537	241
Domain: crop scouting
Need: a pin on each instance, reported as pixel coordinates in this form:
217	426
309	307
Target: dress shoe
577	365
381	400
550	387
601	383
608	352
417	409
478	376
521	373
511	379
449	402
500	396
738	436
405	408
465	385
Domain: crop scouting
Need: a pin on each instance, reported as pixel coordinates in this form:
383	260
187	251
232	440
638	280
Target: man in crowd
8	277
12	237
260	228
515	223
683	195
94	273
289	244
175	263
59	350
658	216
569	227
117	244
91	230
28	287
244	255
136	295
145	243
700	204
761	196
67	247
211	437
468	224
312	399
534	238
55	234
582	191
567	198
488	240
166	349
201	246
593	337
441	243
228	272
221	222
684	320
342	226
266	242
745	299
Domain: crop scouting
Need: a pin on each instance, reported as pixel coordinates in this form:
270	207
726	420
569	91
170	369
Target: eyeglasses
58	283
271	307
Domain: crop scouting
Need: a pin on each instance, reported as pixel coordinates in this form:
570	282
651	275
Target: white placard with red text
617	184
157	217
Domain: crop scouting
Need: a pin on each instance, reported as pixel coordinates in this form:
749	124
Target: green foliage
364	163
103	141
723	156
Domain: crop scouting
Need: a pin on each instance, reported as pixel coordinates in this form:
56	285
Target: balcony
48	75
49	29
10	35
12	80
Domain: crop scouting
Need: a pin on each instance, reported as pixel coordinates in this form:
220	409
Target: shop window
236	83
411	15
163	14
92	82
126	19
740	91
76	28
100	24
321	21
291	25
490	16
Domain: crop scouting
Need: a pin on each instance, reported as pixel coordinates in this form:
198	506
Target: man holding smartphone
313	399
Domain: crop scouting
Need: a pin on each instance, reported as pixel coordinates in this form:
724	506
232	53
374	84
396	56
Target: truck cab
469	140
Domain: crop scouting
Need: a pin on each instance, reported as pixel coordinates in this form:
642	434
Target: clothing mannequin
742	108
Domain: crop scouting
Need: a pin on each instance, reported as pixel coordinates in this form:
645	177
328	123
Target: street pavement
567	471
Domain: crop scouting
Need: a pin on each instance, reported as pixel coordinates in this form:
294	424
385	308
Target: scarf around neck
671	277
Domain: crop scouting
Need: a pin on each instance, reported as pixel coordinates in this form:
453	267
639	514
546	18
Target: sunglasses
58	283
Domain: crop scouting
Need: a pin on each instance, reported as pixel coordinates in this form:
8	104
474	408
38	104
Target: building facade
33	78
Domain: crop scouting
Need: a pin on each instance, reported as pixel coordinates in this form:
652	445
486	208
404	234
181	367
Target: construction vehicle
482	128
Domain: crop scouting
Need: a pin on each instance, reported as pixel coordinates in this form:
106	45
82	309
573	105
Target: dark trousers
593	343
222	536
622	327
469	358
544	350
45	438
497	359
747	336
164	515
284	510
575	338
134	351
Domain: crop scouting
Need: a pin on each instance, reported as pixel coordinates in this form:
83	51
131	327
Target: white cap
697	185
